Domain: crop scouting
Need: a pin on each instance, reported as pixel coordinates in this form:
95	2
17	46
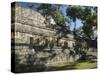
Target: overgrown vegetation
83	35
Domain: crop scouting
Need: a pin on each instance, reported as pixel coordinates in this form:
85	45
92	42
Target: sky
78	24
63	10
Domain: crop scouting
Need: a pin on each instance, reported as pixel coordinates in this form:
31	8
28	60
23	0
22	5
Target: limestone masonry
36	41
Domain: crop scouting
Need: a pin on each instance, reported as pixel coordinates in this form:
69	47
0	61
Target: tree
74	13
54	11
89	20
88	16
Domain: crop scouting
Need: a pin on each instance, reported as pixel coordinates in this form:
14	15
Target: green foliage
46	8
73	12
50	10
59	18
88	16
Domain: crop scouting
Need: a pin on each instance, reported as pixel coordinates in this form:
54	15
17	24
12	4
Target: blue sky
78	24
63	9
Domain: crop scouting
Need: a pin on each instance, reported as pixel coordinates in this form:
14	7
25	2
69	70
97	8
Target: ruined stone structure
35	41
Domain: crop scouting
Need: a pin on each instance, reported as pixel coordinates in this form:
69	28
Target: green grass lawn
76	65
86	65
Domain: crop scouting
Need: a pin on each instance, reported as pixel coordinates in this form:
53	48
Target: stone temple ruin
34	41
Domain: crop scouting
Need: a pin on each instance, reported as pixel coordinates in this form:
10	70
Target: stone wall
30	27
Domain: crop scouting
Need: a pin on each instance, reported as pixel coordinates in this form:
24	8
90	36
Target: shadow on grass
80	64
